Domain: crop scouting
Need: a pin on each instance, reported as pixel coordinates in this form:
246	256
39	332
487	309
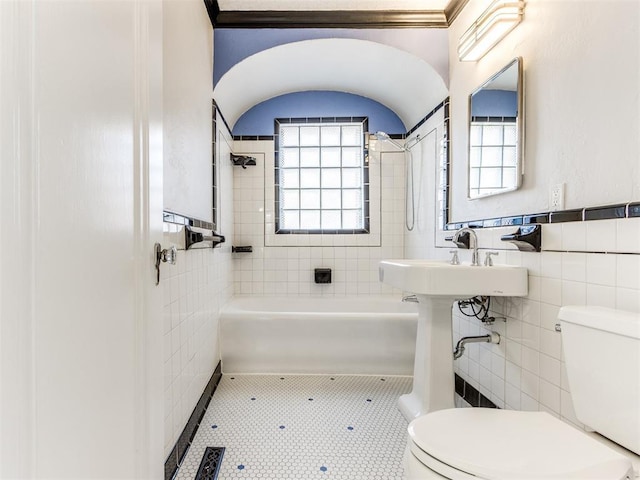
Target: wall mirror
496	133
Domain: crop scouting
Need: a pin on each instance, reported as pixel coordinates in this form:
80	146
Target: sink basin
433	277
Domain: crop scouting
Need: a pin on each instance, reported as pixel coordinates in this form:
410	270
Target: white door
81	209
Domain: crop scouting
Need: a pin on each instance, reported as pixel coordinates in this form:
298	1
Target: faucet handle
454	259
488	261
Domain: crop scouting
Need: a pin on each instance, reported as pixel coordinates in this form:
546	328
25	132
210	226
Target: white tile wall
533	376
195	289
289	269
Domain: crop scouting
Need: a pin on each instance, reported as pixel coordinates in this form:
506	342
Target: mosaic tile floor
303	428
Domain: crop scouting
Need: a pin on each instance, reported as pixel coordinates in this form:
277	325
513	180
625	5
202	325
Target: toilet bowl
484	443
602	353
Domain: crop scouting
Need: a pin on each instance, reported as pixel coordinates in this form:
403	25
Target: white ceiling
293	5
403	82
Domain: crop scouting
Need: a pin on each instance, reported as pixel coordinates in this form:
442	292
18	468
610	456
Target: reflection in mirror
495	133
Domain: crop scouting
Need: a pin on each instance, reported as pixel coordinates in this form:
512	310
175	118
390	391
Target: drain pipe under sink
493	337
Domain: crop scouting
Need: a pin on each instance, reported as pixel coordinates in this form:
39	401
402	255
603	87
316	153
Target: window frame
364	188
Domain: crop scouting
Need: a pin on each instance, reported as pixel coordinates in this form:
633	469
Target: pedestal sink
437	285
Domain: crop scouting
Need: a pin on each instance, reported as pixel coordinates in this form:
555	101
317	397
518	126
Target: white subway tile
551	343
474	373
601	235
485	381
498	365
514	329
574	293
513	374
551	291
514	352
628	235
530	360
601	296
549	396
531	312
574	266
552	264
628	271
628	299
530	384
462	365
552	237
550	369
512	397
533	262
601	269
497	389
549	316
534	288
574	236
530	336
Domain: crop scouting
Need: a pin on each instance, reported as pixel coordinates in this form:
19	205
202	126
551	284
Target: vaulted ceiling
352	46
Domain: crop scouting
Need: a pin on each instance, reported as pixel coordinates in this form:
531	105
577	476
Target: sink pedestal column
433	385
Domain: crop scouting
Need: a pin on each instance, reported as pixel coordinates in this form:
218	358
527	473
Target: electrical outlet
556	197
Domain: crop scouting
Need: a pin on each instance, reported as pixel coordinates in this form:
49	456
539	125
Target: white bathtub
313	335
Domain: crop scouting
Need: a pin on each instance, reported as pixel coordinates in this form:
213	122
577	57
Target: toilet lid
513	445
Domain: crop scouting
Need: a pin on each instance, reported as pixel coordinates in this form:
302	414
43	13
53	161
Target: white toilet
602	354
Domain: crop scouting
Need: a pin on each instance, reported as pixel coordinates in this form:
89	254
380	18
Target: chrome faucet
472	243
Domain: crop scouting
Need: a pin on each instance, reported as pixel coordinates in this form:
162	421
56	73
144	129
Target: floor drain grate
210	464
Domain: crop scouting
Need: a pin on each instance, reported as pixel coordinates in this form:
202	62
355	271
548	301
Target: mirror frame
519	129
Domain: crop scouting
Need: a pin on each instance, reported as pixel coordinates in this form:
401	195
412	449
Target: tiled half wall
581	263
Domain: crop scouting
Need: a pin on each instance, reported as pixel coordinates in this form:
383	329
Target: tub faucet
470	242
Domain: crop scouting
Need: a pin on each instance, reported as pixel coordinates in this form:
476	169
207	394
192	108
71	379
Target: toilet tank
602	354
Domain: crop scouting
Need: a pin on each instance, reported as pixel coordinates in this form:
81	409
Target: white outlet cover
556	197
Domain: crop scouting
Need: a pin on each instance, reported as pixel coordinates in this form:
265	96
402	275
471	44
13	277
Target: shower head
381	135
384	137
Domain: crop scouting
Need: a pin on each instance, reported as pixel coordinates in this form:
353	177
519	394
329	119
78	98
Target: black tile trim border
179	450
179	219
214	166
471	395
599	213
428	116
605	212
224	120
252	138
566	216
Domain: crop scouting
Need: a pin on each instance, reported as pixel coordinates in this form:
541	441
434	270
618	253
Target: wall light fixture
493	25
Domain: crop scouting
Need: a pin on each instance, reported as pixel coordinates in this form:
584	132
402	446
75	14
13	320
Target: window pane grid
321	178
492	155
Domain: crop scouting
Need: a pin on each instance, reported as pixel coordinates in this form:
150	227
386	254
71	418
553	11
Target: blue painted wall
259	119
495	103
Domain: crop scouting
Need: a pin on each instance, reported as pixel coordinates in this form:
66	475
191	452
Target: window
493	157
321	176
